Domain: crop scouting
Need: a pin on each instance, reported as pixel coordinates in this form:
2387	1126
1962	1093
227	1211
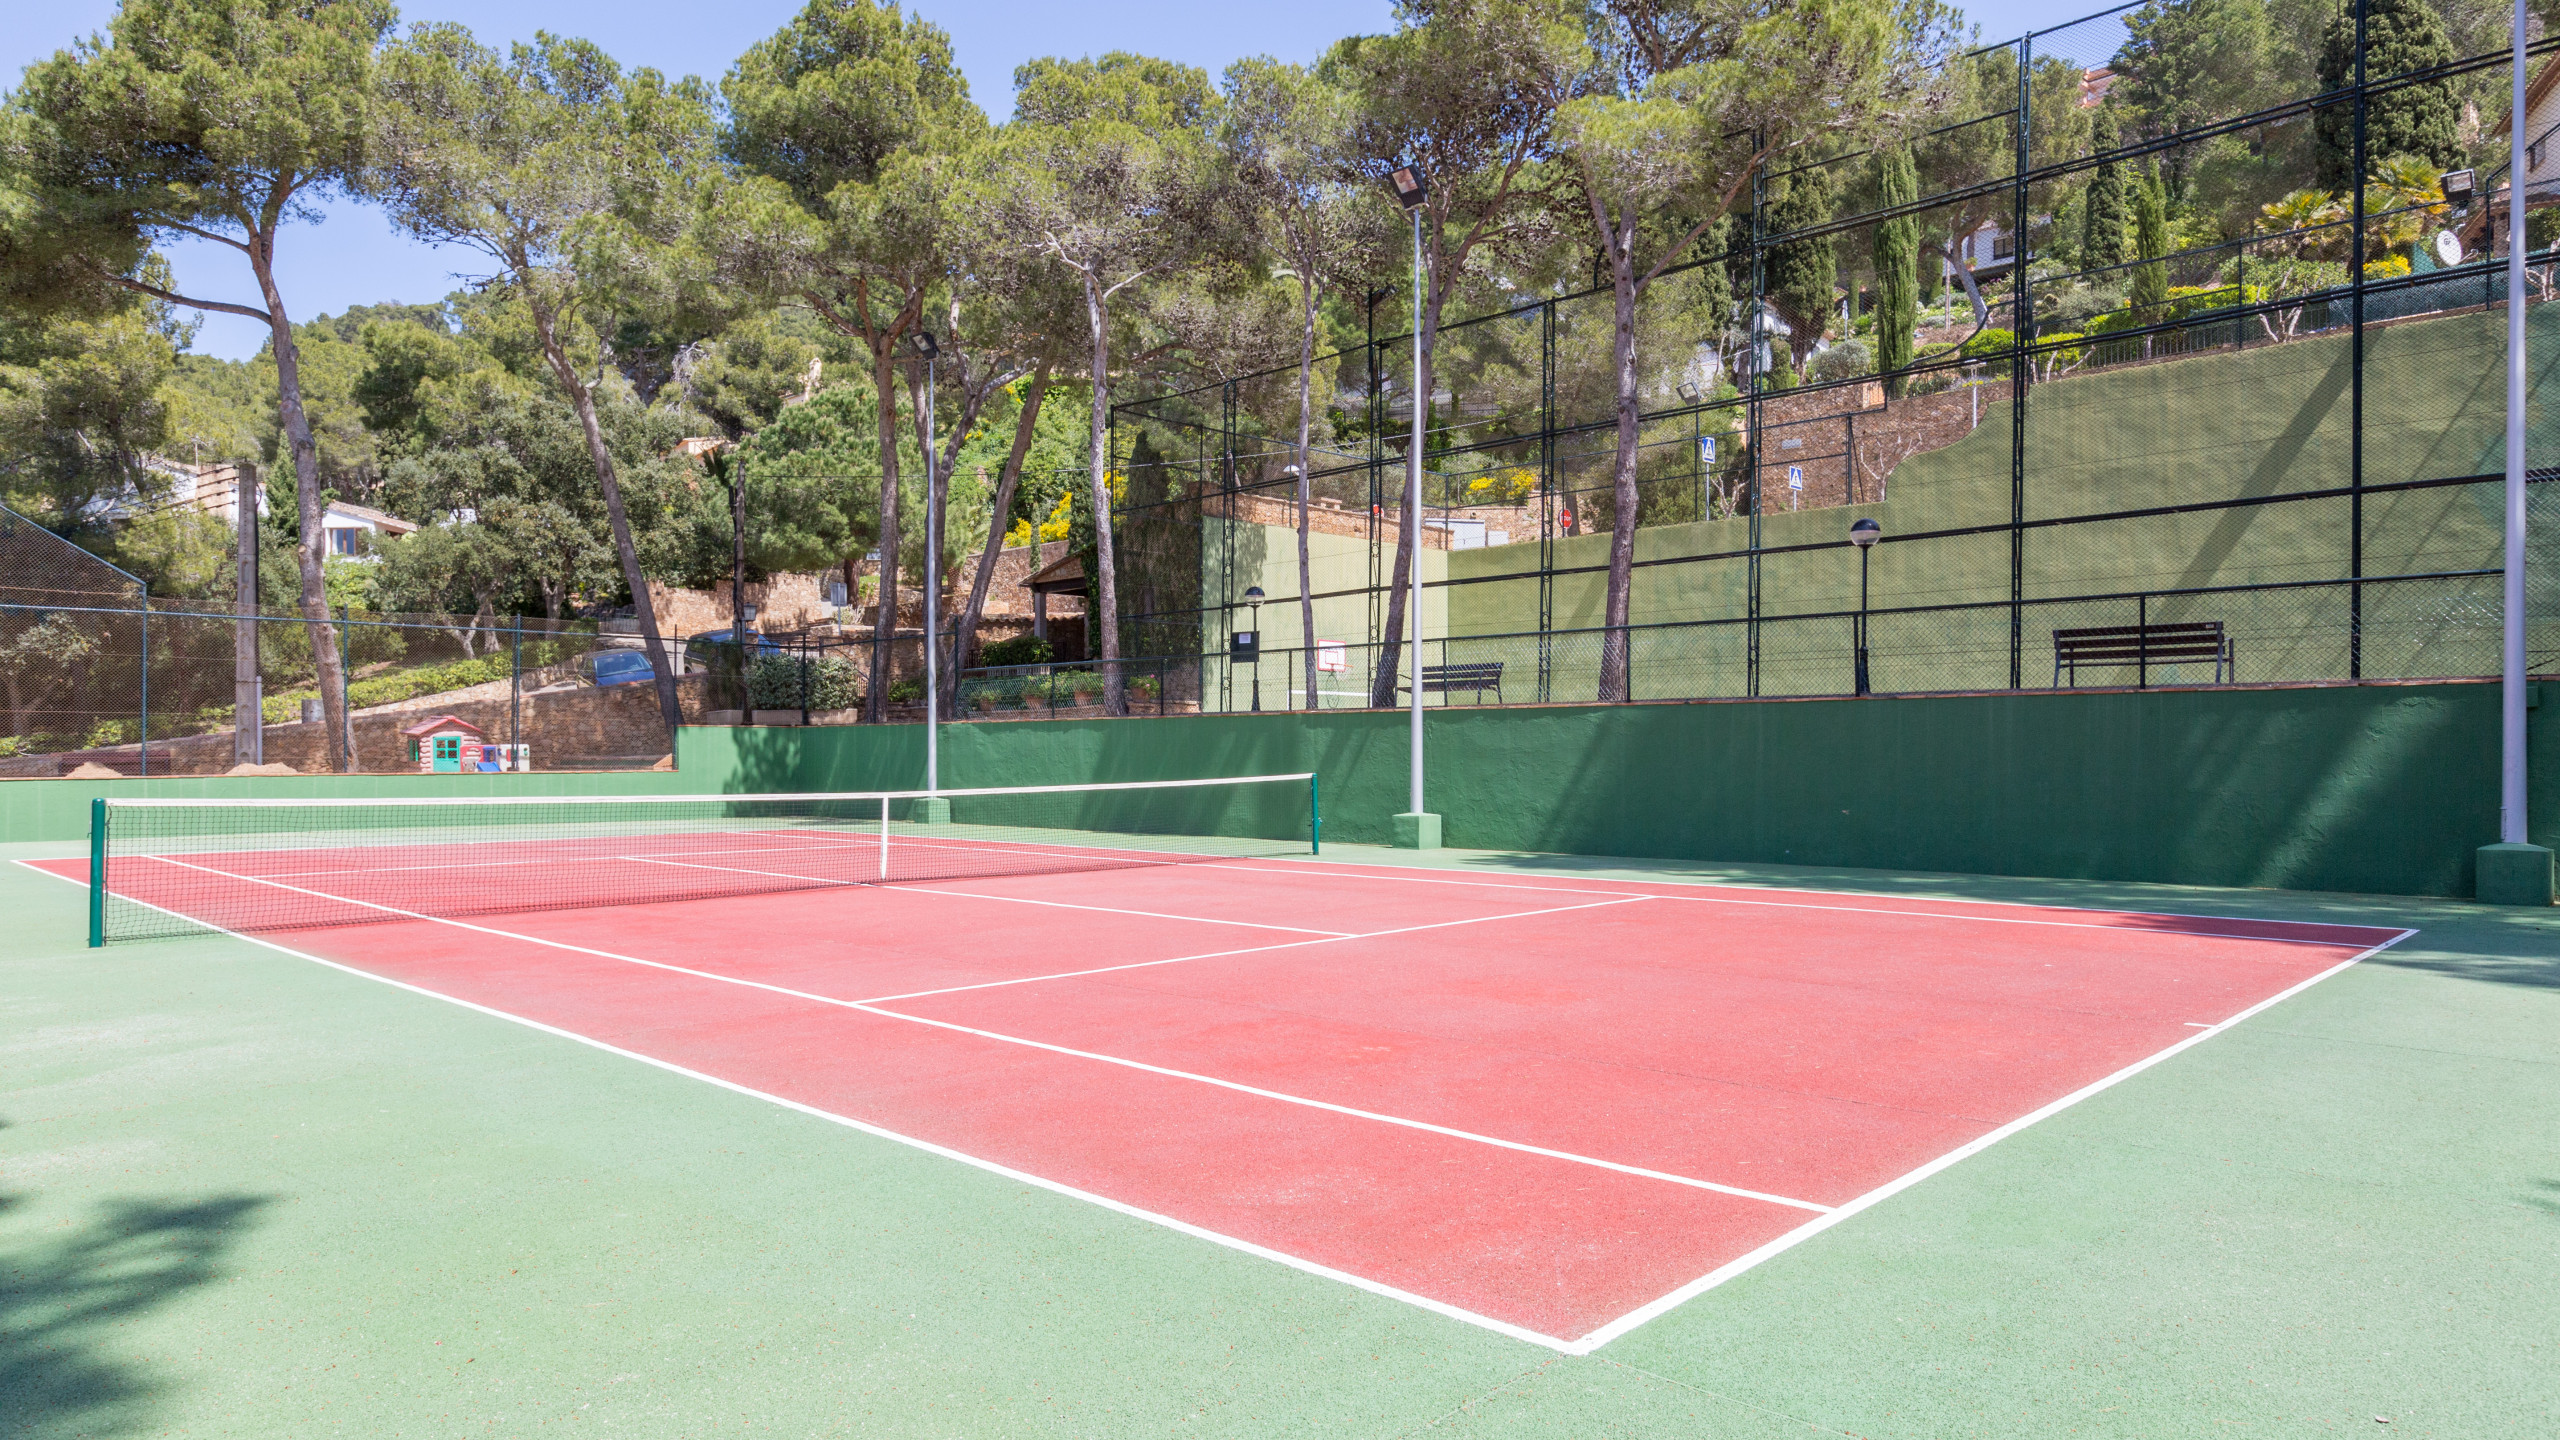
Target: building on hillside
215	490
352	529
2484	220
212	489
1990	252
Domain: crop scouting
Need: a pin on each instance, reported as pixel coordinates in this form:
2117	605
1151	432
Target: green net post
97	871
1315	820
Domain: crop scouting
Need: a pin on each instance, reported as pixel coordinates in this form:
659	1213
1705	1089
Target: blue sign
1795	477
1706	449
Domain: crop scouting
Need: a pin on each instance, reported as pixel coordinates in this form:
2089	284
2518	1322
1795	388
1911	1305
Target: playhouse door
448	754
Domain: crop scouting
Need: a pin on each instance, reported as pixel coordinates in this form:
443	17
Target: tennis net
174	867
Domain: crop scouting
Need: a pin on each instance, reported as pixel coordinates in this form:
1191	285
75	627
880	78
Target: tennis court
1550	1105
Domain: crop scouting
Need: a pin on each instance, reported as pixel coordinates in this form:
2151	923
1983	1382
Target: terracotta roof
371	516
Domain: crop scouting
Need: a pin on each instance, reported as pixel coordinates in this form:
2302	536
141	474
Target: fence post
2355	378
97	871
144	749
2142	642
346	696
515	689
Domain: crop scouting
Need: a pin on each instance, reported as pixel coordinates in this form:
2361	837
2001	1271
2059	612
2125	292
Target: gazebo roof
1062	576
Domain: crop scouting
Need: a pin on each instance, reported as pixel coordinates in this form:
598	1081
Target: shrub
428	680
907	691
1989	344
1020	650
1846	360
774	683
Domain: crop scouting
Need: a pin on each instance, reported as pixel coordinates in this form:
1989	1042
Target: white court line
870	1009
1221	954
917	888
1184	1227
1731	1268
1858	909
1583	1345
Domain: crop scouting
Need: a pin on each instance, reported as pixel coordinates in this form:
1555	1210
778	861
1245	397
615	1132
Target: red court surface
1548	1105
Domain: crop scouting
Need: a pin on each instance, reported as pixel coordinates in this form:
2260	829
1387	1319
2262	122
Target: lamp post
1411	190
926	347
1690	395
1864	534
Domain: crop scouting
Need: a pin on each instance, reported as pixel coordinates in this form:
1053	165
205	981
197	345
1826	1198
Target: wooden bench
1475	677
2144	646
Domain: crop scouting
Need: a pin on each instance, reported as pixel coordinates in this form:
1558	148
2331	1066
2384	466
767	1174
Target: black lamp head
1411	190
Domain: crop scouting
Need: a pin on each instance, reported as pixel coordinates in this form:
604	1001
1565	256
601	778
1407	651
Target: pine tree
2103	211
2401	36
1896	247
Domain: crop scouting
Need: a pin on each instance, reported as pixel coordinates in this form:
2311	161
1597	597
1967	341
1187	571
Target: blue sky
355	258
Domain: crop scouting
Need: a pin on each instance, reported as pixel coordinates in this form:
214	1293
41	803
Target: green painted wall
2382	789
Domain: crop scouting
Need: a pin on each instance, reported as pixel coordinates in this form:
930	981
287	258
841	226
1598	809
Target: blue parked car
761	645
620	667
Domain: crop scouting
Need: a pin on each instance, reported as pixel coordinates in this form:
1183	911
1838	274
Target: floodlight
1863	533
2458	187
1689	391
1410	189
925	345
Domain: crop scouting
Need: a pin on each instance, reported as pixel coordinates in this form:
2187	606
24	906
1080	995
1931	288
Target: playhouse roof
439	725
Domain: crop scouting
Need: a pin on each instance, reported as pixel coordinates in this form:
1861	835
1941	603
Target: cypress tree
2151	241
2401	36
2103	210
1801	274
1896	245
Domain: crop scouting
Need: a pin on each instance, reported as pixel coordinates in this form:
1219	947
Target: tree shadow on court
2515	948
64	1293
2485	943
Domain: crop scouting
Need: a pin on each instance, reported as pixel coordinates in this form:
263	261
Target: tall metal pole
2511	772
932	587
247	738
1413	508
1862	619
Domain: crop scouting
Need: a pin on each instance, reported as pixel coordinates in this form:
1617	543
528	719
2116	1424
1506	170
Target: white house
2542	139
215	490
1990	252
344	523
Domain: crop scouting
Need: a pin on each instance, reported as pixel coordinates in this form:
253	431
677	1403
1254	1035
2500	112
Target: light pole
1411	190
926	347
1690	395
1246	647
1864	534
2515	871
